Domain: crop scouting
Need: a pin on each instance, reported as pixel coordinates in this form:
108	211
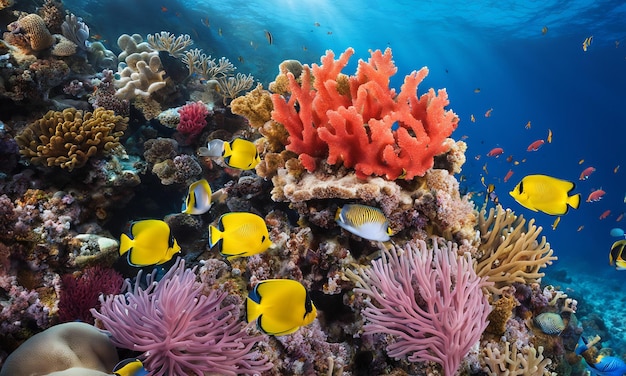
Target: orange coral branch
362	123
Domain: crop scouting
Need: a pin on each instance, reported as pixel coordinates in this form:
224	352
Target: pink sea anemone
192	119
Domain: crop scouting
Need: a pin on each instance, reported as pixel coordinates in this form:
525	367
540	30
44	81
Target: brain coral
32	30
67	139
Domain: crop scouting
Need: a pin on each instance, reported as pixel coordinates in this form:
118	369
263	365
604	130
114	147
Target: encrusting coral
68	139
256	106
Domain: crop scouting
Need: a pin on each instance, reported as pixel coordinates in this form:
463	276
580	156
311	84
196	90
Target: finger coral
360	122
68	139
509	251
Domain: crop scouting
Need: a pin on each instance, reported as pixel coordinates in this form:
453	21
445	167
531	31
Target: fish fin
574	201
126	244
253	307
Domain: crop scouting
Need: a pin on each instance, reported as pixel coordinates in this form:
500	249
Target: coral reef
256	106
29	34
439	321
142	76
68	139
149	320
192	119
509	251
403	132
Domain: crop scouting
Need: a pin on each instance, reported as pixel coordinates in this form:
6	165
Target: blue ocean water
525	57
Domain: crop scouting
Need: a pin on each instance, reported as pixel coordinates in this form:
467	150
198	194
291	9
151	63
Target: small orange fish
472	118
464	137
596	195
163	9
605	214
495	152
619	217
544	30
508	175
586	172
581	161
485	169
587	43
549	139
535	145
509	158
488	113
527	126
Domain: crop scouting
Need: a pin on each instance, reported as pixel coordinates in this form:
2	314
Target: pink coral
179	330
192	119
427	298
360	122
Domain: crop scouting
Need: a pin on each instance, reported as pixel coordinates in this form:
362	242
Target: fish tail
215	235
253	309
574	201
126	244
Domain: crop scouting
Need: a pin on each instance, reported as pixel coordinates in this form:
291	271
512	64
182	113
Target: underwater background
515	72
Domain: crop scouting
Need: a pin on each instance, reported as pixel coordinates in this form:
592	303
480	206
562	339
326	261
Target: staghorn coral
361	123
29	34
166	41
68	139
206	67
256	106
507	359
230	87
509	251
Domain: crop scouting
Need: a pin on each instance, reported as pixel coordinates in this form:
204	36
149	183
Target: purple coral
179	330
428	299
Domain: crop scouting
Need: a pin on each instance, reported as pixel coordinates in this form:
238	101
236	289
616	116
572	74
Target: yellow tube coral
68	139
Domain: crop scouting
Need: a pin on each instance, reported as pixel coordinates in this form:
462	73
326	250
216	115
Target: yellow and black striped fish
616	256
365	221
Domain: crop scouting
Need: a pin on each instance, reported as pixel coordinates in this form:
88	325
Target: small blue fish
365	221
198	199
130	367
607	366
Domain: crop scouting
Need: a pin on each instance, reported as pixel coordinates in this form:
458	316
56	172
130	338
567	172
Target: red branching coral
192	119
80	294
361	122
